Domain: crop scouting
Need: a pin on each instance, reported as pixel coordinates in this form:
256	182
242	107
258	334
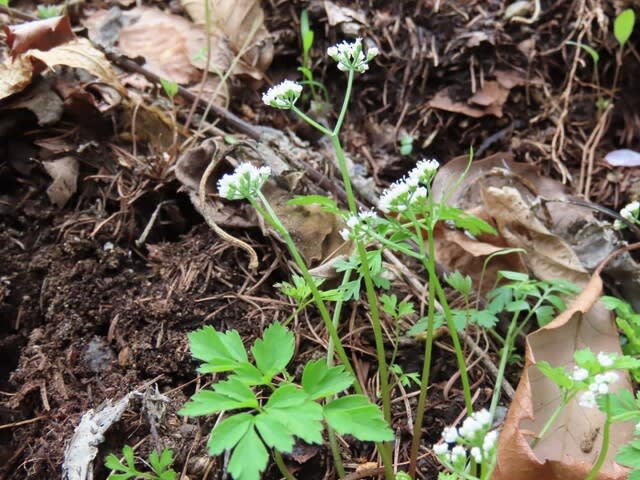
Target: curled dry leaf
38	35
239	25
570	449
15	76
64	172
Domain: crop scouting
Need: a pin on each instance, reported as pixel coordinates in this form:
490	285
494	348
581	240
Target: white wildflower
605	359
489	442
629	212
483	417
580	374
351	57
470	427
423	171
588	400
610	377
440	448
476	453
283	95
245	182
392	197
358	226
618	225
458	453
450	434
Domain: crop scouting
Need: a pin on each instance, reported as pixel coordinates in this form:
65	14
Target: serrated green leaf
249	457
544	315
293	408
274	350
629	455
229	432
557	375
112	462
248	374
222	352
484	318
623	26
319	380
274	433
460	283
517	306
357	416
557	302
623	401
514	276
230	395
170	87
585	358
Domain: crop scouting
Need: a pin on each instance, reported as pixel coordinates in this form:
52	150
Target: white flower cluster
473	433
358	226
599	385
630	213
245	182
351	57
408	190
283	95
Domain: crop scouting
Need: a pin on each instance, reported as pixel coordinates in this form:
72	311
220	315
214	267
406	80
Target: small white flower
610	377
351	57
458	453
392	196
450	434
636	430
489	442
470	427
358	226
605	359
423	171
476	453
618	225
629	211
588	400
440	448
283	95
245	182
580	374
483	417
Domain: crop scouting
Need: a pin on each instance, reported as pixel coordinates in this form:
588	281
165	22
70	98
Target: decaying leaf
64	172
337	15
15	76
39	35
240	24
570	449
42	101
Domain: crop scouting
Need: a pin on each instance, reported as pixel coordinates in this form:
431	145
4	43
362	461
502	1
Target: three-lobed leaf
273	351
221	352
320	380
292	407
356	415
229	395
249	457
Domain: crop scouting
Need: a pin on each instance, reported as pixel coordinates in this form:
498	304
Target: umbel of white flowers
244	183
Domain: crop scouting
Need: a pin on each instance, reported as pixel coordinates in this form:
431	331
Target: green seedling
48	11
170	87
628	322
160	465
265	409
406	145
623	26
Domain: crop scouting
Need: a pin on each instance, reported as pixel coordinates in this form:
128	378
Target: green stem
506	352
345	104
335	452
311	121
281	466
550	422
426	368
337	311
604	449
271	217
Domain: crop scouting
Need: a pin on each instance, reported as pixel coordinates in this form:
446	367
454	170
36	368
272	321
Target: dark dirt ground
85	315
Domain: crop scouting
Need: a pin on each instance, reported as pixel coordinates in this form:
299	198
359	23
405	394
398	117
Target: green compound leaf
557	375
273	351
230	395
629	454
357	416
319	380
293	408
229	432
160	464
221	352
249	457
623	26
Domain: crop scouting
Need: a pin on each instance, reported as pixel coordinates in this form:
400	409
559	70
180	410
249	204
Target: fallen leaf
570	449
39	35
486	101
41	101
337	14
240	23
64	172
15	76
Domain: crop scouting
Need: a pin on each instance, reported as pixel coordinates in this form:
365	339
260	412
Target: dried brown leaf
15	76
569	450
39	34
64	172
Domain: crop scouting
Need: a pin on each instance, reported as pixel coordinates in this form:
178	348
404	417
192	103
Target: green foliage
595	56
461	284
159	463
389	305
405	378
628	322
260	422
623	26
327	204
170	87
4	3
47	11
351	289
406	145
